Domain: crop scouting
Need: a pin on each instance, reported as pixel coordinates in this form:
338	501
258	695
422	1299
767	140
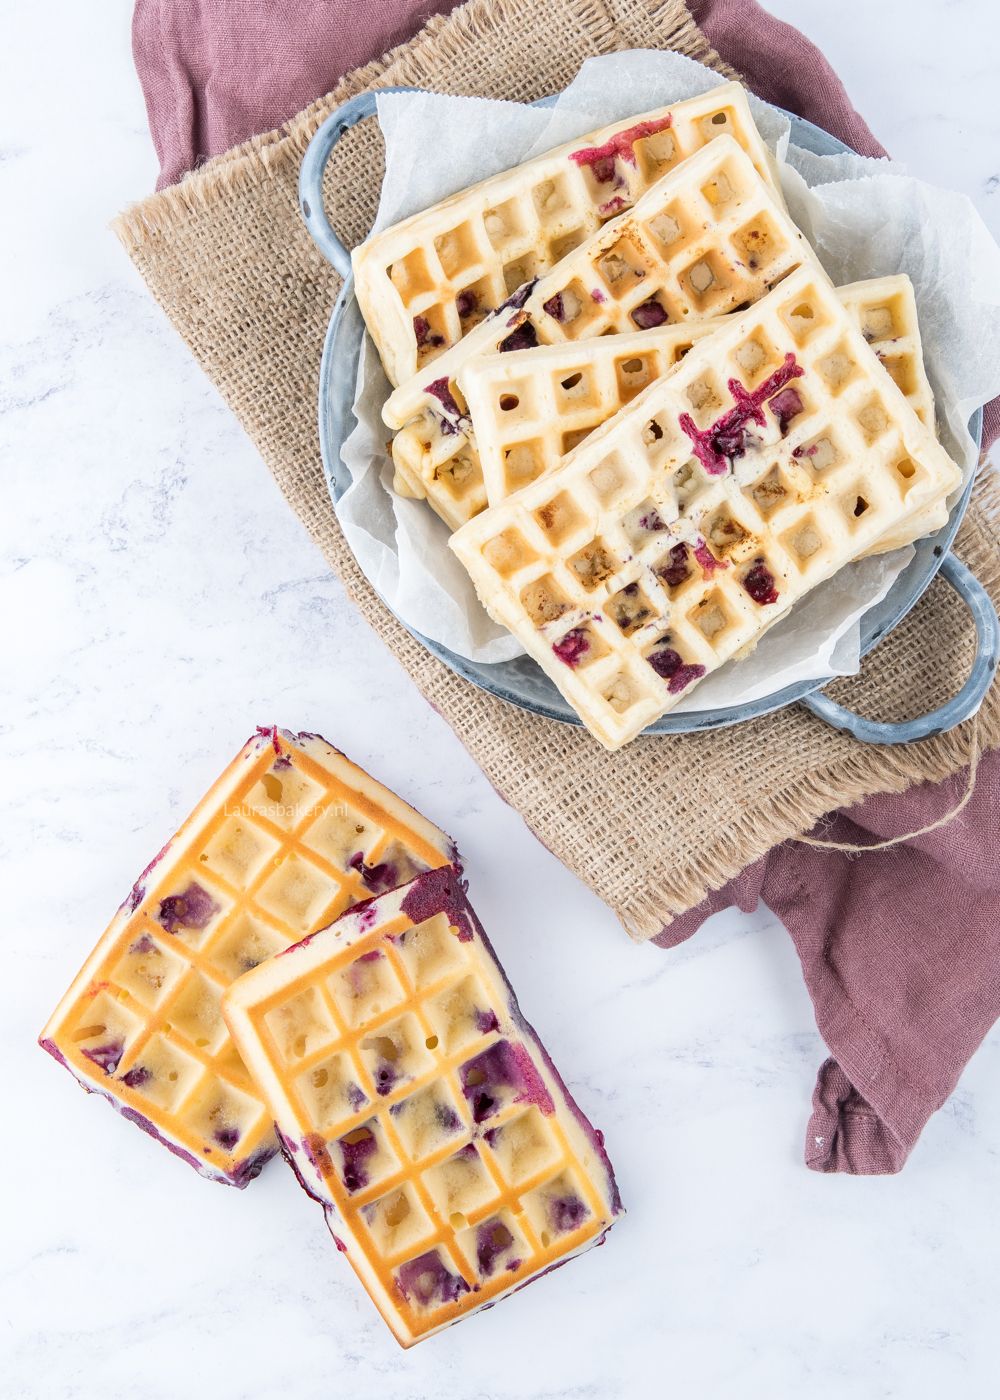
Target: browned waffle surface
418	1106
290	835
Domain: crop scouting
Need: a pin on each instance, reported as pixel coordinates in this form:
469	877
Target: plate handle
314	162
955	710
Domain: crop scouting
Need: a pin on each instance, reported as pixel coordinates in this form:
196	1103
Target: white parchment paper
865	218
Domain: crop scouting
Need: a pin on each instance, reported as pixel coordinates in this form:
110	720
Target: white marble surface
158	601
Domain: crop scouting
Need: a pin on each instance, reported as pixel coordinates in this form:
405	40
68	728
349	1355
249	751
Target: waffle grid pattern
656	553
423	283
707	238
378	1046
532	407
886	312
265	863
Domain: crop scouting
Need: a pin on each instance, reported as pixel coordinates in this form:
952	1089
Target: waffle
290	835
705	239
532	407
423	283
682	528
419	1108
886	311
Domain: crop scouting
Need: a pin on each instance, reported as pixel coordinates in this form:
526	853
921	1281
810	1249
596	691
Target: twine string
975	752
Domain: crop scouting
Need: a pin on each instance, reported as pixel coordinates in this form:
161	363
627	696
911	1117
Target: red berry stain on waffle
669	667
621	146
425	336
759	583
716	447
573	647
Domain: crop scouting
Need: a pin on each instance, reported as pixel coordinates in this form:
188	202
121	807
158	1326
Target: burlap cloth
651	829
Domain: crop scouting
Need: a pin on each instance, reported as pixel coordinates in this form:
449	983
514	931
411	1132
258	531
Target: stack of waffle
625	382
300	968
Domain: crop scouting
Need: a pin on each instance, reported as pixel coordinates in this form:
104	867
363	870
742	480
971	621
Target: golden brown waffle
419	1108
289	836
776	452
422	284
705	239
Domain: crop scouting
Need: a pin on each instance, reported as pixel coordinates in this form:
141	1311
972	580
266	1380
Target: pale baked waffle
419	1108
290	835
564	391
423	283
667	542
886	311
705	239
532	407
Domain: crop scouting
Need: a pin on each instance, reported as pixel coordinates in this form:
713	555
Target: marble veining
159	601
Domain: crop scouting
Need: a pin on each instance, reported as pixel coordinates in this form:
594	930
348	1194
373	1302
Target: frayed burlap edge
632	825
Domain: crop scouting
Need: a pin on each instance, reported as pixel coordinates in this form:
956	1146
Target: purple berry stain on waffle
718	446
357	1148
493	1241
440	389
193	909
386	1075
106	1056
136	1077
677	569
522	337
516	300
439	891
425	1281
650	314
378	878
503	1066
759	583
425	336
466	303
567	1213
572	648
785	406
555	307
707	559
669	666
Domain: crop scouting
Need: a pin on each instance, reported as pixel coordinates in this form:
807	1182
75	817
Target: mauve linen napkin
900	948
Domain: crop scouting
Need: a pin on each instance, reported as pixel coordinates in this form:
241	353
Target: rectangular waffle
707	238
290	835
667	542
886	312
423	283
577	385
532	407
419	1108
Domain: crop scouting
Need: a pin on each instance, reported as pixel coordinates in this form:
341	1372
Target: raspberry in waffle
667	542
707	238
289	836
423	283
419	1108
